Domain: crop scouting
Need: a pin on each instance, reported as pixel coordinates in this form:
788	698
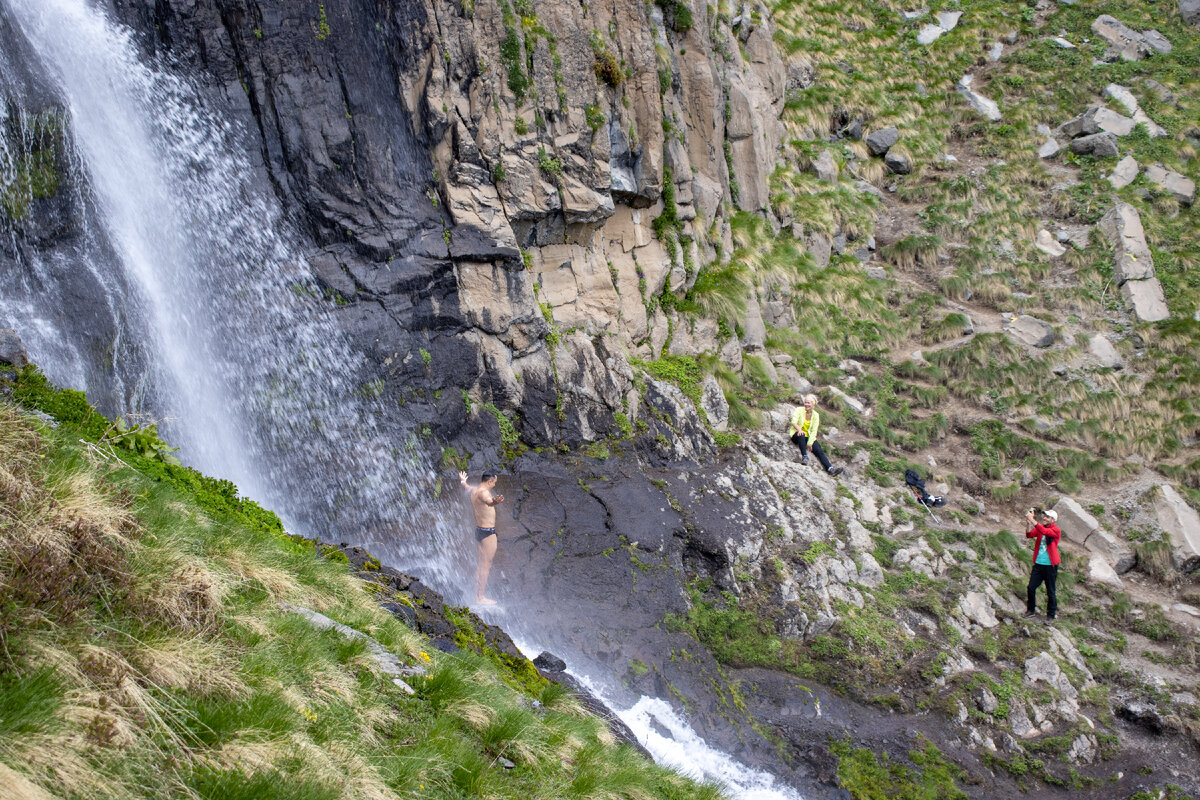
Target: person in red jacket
1045	561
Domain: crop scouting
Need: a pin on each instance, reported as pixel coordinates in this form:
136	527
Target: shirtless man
484	503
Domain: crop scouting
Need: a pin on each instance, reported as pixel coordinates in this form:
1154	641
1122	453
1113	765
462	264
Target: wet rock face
422	160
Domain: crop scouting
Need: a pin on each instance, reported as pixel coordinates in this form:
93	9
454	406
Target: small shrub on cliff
595	117
608	68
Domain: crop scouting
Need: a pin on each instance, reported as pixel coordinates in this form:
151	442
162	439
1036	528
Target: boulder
1114	551
1190	11
1103	351
1100	571
898	163
1076	523
976	607
949	19
1101	145
826	167
755	337
712	400
1125	172
1031	331
1182	524
851	403
1049	148
1122	225
1125	42
1043	668
12	351
929	33
1096	120
870	574
983	105
1047	244
1146	299
880	141
1178	186
1122	96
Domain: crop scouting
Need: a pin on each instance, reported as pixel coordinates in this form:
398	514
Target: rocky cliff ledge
502	194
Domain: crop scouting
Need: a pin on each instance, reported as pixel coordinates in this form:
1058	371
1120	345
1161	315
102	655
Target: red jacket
1052	534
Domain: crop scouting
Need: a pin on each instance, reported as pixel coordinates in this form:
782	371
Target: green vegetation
866	777
145	653
323	29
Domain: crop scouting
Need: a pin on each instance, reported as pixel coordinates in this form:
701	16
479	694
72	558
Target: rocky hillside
608	245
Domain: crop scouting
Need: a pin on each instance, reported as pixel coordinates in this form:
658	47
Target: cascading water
211	301
255	381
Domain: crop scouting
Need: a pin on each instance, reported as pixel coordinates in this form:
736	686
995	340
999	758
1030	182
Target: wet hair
487	476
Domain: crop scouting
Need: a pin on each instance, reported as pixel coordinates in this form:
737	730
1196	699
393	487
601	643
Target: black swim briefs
483	533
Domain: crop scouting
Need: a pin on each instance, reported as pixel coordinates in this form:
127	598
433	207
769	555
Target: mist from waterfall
245	367
238	354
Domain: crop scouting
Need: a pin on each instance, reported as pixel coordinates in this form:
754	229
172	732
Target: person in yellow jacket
806	421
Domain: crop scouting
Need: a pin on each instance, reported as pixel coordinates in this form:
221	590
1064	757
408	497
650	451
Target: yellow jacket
807	427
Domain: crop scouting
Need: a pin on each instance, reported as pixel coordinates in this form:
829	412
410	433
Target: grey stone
1062	43
949	19
1045	669
712	400
900	164
1157	41
755	336
1100	571
1031	331
1122	226
850	402
1190	11
1146	299
1182	524
385	660
1103	351
1125	172
1124	41
1101	145
983	105
1162	92
1178	186
826	167
1121	95
1018	719
12	351
870	574
995	51
1076	523
929	33
1115	552
880	141
1049	148
1047	244
1083	749
977	607
986	701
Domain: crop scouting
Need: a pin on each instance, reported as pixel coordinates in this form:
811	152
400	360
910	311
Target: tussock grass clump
144	652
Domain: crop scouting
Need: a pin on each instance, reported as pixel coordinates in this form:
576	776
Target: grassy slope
143	651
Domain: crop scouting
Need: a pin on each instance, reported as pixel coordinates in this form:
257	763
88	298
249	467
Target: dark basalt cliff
478	181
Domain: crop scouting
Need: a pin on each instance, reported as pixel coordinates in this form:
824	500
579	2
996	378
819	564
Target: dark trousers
1042	573
802	443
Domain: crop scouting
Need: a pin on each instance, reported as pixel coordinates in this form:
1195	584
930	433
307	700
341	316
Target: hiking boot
1029	615
804	461
835	471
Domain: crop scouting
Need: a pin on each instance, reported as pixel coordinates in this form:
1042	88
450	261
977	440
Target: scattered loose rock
1127	43
1047	244
1125	172
900	164
1182	524
983	105
1178	186
12	351
1103	351
1122	225
1101	145
1049	148
1031	331
826	167
1146	298
1190	11
880	141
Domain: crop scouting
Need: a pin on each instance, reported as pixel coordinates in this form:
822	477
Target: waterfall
215	325
244	366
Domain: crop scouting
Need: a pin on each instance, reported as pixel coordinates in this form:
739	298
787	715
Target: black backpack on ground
915	482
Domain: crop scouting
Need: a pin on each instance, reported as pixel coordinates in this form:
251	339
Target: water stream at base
213	298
